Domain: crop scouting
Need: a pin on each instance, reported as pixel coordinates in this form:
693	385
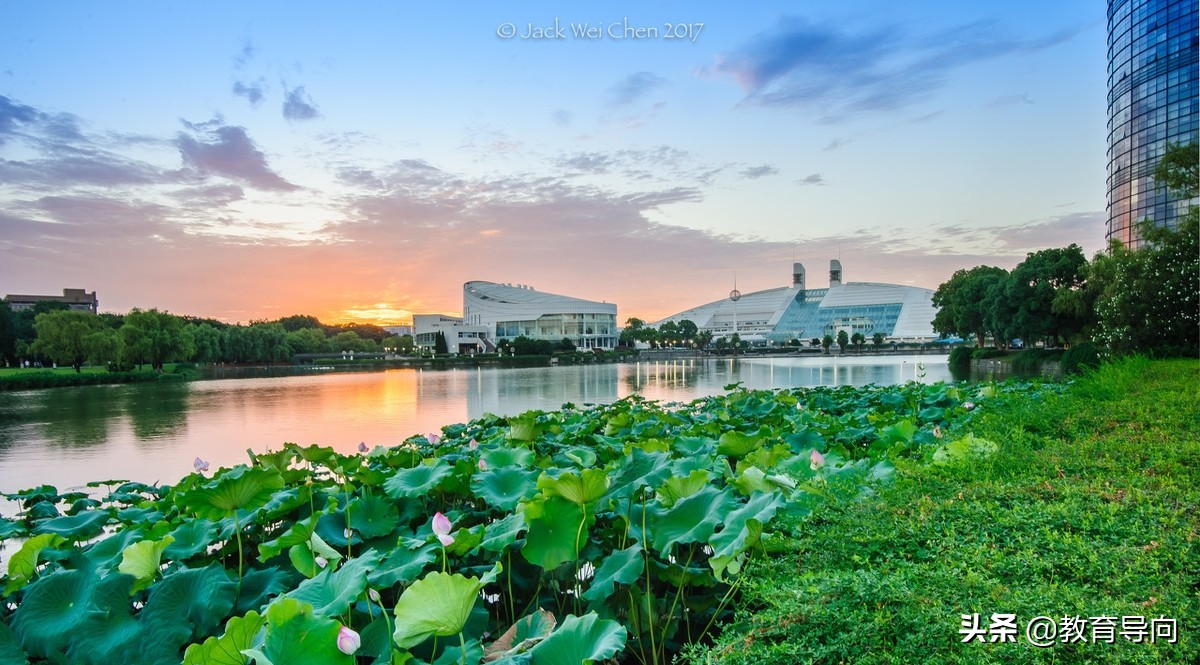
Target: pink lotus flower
482	465
937	431
441	528
816	460
321	562
200	465
348	641
362	446
373	595
473	444
968	405
434	439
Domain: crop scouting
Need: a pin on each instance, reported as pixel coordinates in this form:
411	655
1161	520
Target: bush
1030	361
960	356
1076	358
984	354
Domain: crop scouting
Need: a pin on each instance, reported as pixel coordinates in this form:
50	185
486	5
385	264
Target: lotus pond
614	532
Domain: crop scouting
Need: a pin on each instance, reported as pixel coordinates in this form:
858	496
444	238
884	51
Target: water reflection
151	432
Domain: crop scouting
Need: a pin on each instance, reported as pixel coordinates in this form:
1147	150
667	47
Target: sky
360	161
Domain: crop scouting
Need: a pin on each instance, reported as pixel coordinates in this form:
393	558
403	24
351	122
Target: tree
631	332
1033	287
308	340
737	343
8	335
816	341
566	344
962	302
156	337
297	322
1149	302
688	329
842	340
1179	170
704	338
877	339
827	342
207	342
858	340
439	343
72	337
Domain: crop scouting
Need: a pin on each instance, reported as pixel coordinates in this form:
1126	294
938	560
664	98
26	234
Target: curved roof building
786	313
510	311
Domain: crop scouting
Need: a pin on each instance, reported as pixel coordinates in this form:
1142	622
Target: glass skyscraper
1152	72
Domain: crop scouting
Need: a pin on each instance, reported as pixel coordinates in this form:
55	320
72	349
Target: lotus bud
441	528
816	460
473	444
200	465
362	446
482	465
348	641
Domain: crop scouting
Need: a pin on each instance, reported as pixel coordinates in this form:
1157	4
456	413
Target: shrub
1080	356
960	356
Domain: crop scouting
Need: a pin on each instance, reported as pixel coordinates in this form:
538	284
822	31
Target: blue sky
364	159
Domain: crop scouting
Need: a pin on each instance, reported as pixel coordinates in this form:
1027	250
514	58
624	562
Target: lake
151	432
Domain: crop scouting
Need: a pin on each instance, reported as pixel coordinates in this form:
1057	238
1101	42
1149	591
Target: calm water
152	432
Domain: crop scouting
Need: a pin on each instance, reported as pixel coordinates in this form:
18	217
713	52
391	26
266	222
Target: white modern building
508	311
460	338
899	313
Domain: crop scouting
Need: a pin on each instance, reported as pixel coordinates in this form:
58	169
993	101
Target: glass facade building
1152	102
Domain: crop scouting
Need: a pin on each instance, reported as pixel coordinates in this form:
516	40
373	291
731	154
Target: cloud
813	179
563	118
833	74
756	172
252	91
297	105
1011	100
228	151
634	87
587	162
13	114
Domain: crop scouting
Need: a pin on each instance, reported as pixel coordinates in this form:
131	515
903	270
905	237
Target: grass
1090	507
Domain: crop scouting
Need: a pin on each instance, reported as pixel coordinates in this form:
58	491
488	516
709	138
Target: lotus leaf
23	564
417	481
504	487
437	604
294	635
240	633
581	640
142	561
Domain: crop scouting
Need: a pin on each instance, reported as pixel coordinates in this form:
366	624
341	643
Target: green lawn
17	371
1090	508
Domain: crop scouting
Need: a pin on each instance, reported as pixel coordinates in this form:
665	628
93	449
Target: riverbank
61	377
1089	508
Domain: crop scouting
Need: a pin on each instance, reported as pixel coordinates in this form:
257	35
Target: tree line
1145	300
50	332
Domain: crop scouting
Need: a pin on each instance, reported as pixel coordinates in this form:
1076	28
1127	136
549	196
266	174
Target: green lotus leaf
283	502
504	487
738	444
751	479
403	565
298	533
332	592
187	603
141	515
417	481
437	604
23	564
581	489
53	609
111	634
581	641
741	528
315	454
521	636
498	458
524	428
75	527
259	586
10	529
639	469
693	446
227	649
373	516
191	538
43	510
294	635
304	560
107	553
621	567
680	487
82	504
10	647
692	519
555	535
142	561
502	533
243	488
583	457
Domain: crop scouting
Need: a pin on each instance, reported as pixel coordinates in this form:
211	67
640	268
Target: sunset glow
360	162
